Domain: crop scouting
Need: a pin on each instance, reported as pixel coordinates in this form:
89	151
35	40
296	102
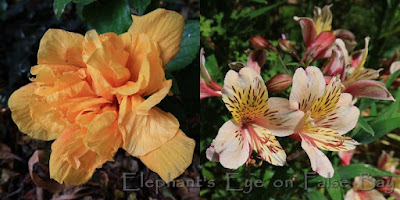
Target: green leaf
140	5
315	195
392	78
334	190
380	128
189	47
84	2
365	126
212	68
353	170
58	7
108	16
265	9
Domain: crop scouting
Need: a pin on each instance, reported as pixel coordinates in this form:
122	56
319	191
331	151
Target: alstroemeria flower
363	189
318	36
388	163
256	121
97	93
345	157
328	115
208	87
357	80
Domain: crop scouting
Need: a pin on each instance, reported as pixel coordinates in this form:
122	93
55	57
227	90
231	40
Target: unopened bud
287	46
259	42
279	83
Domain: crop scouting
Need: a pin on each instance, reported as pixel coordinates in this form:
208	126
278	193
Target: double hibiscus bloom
94	94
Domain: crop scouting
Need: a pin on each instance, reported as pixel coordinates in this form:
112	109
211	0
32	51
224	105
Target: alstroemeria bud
287	46
279	83
259	42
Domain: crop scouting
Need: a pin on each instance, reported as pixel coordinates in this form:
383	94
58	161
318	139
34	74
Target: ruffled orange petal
21	114
48	74
144	64
171	159
61	47
144	106
163	26
144	133
103	135
71	162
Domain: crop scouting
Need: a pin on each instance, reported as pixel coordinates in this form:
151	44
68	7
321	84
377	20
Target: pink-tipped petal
336	63
211	154
320	47
345	157
370	89
307	29
319	162
344	34
206	91
232	145
256	59
308	86
383	159
203	65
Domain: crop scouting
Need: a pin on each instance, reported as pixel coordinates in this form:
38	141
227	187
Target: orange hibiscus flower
97	93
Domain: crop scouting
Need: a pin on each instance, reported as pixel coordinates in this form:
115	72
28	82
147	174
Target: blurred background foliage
227	26
22	25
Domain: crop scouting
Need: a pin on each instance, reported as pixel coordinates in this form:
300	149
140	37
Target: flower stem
283	64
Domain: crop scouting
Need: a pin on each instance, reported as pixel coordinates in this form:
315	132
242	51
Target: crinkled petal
319	162
71	162
308	86
47	74
61	47
279	119
245	94
343	118
172	158
163	26
370	89
144	133
19	103
144	64
103	135
232	145
154	99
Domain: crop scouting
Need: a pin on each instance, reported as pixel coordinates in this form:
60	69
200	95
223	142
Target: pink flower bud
287	46
259	42
279	83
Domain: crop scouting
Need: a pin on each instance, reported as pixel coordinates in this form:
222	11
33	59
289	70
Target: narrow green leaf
140	5
354	170
189	47
392	78
365	126
334	190
380	128
108	16
84	2
59	6
265	9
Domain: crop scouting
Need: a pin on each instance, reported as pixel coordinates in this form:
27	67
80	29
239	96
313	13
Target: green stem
283	64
